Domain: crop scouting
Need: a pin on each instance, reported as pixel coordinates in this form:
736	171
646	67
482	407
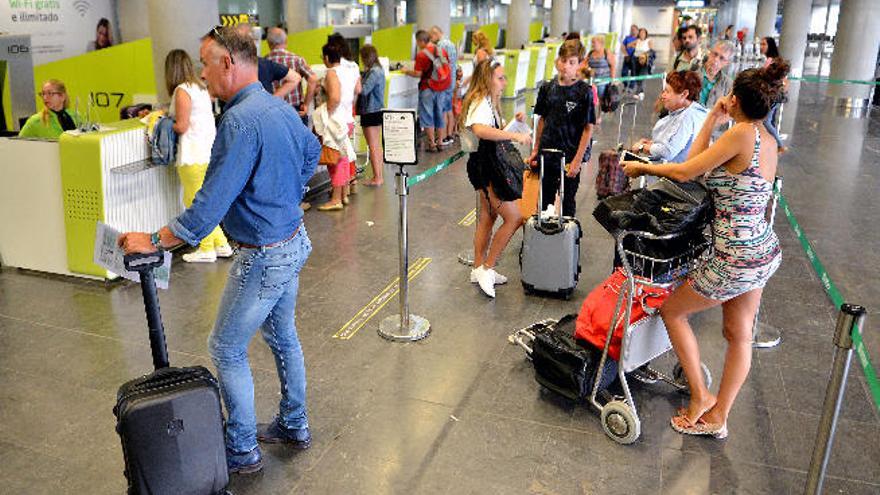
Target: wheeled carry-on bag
551	249
170	421
610	178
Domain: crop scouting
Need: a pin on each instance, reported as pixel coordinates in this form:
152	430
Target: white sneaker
499	278
486	279
224	251
200	257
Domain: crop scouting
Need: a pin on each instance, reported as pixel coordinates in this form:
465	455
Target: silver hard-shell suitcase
550	254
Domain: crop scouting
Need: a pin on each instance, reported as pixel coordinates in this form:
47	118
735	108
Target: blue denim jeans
431	109
260	293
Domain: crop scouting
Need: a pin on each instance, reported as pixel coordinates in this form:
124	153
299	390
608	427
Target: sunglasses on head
220	39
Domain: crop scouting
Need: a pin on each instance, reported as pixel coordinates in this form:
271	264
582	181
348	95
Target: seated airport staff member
55	117
262	157
672	135
739	170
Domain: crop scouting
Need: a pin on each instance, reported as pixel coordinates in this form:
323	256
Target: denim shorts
447	99
431	109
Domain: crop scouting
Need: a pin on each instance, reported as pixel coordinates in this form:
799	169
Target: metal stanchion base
767	336
466	258
390	329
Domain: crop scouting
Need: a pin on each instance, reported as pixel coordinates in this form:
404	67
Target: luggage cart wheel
681	380
620	422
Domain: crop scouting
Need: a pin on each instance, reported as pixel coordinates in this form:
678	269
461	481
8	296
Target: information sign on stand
399	133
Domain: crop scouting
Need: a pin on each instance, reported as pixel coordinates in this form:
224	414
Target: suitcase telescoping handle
561	182
144	264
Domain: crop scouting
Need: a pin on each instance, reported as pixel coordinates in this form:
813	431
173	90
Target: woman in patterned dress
739	168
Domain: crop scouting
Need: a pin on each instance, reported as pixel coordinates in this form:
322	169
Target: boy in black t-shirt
565	105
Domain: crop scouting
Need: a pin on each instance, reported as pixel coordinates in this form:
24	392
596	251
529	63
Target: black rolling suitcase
170	421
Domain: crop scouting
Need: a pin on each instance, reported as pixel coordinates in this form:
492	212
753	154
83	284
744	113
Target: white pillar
766	22
131	15
300	15
174	24
855	47
627	18
560	17
795	26
432	12
600	16
744	14
519	15
581	17
387	13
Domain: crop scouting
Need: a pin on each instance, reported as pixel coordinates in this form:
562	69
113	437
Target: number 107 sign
399	132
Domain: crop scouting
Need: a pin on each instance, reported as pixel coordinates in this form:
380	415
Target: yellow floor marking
469	219
386	295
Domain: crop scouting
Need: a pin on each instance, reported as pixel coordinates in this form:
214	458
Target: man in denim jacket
261	160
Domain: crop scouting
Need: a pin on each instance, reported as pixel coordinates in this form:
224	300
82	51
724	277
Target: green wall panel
396	43
7	95
109	77
307	44
492	31
456	33
536	29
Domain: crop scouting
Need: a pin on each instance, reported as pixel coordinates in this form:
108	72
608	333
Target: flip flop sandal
700	428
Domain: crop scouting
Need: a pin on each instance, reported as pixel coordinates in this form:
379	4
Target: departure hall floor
460	412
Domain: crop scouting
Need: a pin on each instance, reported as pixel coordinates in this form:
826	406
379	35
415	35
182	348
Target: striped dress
746	250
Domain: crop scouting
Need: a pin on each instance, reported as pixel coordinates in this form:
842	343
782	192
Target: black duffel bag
664	207
567	365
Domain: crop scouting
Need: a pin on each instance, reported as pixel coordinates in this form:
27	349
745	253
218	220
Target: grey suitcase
551	249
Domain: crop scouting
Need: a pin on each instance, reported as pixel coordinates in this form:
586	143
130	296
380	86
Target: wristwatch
155	240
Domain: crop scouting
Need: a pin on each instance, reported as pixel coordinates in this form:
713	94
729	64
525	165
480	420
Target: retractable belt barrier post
400	148
849	323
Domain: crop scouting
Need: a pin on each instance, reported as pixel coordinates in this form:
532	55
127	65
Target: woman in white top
194	123
342	83
643	57
481	117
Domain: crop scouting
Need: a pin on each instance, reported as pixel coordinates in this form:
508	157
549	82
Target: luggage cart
642	341
646	339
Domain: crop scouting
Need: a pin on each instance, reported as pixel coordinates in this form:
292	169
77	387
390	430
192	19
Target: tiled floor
461	412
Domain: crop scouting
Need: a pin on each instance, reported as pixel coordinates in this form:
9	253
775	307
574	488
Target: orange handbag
329	156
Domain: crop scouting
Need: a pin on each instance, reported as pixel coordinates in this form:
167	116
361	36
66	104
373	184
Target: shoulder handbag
329	156
507	167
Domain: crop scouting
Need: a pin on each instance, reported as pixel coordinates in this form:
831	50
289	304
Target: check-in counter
550	66
401	90
54	193
537	64
31	206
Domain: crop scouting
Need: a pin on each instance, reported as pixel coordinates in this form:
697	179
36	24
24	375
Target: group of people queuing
713	128
250	172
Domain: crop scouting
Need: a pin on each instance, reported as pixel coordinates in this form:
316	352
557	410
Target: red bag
595	316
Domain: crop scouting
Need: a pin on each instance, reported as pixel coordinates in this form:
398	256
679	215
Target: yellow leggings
191	178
